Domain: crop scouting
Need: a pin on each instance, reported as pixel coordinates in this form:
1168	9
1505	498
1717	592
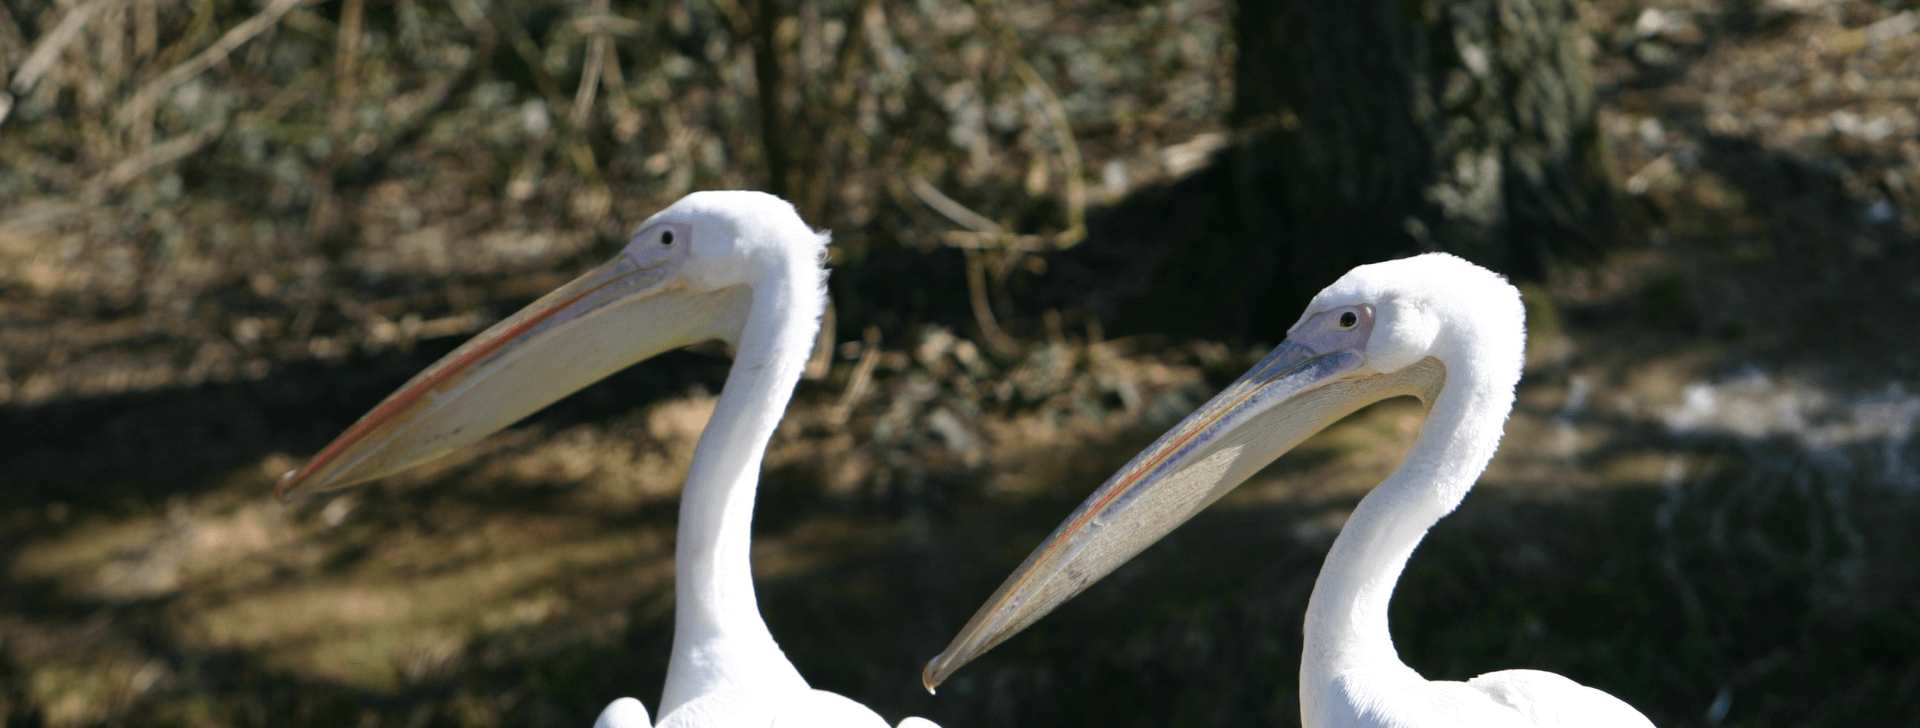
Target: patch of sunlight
1756	405
376	627
613	466
240	571
154	555
1647	467
74	694
816	541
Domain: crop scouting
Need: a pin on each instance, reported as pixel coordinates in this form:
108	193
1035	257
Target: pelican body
1434	327
737	266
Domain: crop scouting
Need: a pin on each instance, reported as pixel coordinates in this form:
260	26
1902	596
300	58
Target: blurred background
229	227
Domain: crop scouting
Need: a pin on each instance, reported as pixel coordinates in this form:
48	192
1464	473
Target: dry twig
140	104
590	69
952	209
46	52
346	66
1070	158
598	47
158	155
12	40
982	308
51	45
862	376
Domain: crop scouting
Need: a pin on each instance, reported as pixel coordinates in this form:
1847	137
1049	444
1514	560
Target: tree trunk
1364	131
1375	129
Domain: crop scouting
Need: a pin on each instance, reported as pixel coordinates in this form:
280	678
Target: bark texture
1375	129
1364	131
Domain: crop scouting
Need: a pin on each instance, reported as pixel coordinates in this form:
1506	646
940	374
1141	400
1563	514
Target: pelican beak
612	316
1291	394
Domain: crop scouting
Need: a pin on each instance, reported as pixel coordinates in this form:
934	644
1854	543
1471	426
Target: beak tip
280	490
928	679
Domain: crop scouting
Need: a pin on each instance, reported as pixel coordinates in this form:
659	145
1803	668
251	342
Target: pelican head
686	276
1383	330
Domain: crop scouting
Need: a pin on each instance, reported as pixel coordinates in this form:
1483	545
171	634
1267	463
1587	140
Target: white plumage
738	266
1472	322
1432	326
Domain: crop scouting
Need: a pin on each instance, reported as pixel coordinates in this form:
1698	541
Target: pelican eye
666	237
1347	320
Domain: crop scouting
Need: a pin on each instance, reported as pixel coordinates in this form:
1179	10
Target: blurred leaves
440	160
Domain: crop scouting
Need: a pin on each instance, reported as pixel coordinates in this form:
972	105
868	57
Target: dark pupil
666	237
1348	319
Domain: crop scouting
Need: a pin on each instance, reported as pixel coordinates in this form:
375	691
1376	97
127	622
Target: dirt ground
1703	504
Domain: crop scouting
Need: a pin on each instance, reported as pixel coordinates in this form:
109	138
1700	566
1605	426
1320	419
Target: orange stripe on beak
408	397
1147	467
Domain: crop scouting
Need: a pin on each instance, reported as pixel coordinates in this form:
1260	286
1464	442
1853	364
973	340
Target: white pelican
1433	326
737	266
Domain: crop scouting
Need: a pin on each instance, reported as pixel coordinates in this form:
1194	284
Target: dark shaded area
130	452
1142	252
1829	275
1506	582
1362	133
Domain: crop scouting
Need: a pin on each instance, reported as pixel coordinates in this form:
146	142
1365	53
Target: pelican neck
1346	625
720	638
